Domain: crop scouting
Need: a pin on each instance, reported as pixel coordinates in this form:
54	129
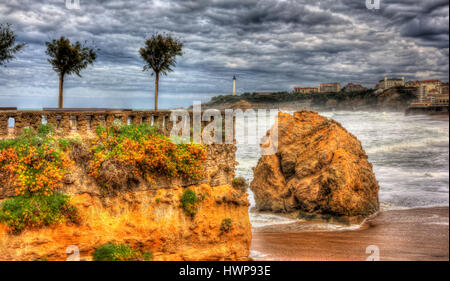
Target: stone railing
12	122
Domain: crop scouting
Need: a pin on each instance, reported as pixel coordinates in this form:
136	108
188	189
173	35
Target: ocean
410	157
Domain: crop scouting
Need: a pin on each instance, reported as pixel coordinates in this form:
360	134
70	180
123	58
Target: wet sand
400	235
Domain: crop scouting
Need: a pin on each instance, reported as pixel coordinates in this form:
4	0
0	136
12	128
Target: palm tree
67	59
160	53
8	46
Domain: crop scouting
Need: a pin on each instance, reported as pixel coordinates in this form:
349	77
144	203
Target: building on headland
329	87
429	84
439	95
422	94
430	93
350	88
429	103
305	90
413	84
444	89
388	83
441	99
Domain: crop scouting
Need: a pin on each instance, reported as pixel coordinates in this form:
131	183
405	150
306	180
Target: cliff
319	169
150	220
130	186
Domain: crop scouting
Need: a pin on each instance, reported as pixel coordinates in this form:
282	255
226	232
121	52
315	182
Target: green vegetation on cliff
278	97
28	211
120	252
188	202
225	226
240	183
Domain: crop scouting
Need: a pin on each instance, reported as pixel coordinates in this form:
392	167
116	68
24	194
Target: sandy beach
402	235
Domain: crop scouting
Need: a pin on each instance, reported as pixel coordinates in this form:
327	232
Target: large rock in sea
319	168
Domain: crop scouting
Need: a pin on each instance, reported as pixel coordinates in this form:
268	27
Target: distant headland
389	94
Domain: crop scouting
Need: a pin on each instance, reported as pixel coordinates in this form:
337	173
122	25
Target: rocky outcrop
220	164
319	168
144	220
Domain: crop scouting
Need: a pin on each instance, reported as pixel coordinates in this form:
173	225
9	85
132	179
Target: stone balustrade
12	122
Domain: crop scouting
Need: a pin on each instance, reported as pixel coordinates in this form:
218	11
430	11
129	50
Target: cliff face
150	220
145	216
319	168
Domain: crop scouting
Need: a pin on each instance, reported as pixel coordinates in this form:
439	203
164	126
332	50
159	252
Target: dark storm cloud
269	45
424	20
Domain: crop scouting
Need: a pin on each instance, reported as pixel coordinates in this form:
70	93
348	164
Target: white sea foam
407	144
260	256
438	223
384	206
313	227
265	219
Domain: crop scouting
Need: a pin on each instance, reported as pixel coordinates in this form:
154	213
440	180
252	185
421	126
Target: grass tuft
225	226
188	202
120	252
240	183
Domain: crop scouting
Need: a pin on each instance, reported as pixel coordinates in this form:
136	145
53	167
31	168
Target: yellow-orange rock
148	220
318	168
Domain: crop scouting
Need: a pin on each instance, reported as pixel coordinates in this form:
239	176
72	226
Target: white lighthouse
234	85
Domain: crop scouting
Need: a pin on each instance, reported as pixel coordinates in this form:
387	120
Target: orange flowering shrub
147	152
33	164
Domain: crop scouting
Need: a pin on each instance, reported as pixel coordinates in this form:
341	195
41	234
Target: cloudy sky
270	45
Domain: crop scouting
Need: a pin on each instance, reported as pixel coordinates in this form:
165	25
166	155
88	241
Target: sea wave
313	227
398	174
258	255
407	144
386	206
266	219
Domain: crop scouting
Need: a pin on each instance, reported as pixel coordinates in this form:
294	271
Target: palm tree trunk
61	83
156	90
